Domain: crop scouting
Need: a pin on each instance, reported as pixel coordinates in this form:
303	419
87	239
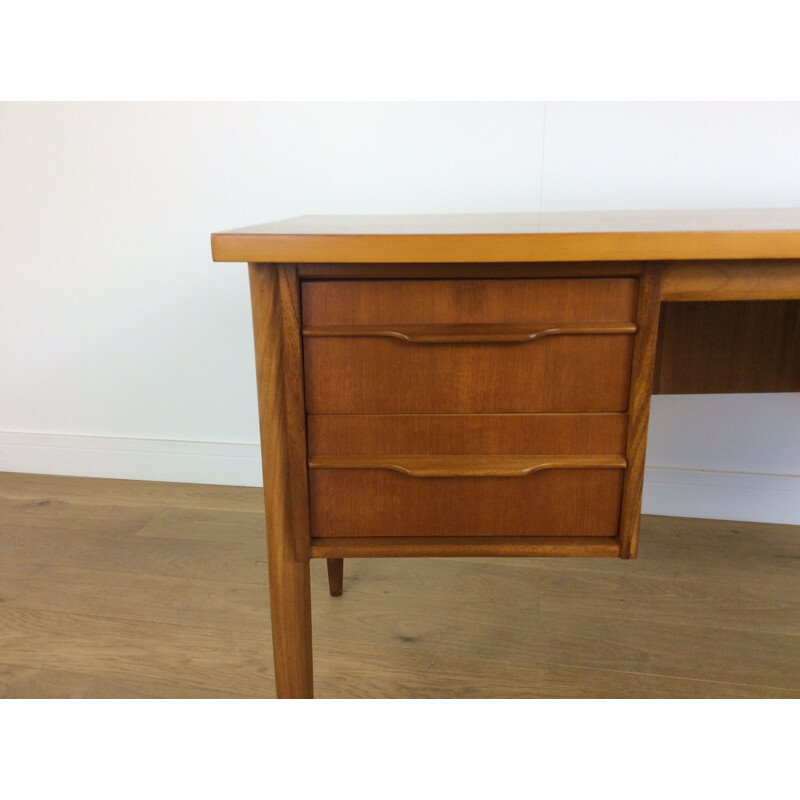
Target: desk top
549	236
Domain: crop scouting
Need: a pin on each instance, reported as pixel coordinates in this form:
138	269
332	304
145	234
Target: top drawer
468	346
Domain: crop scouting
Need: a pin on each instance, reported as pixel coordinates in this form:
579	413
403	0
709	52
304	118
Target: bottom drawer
465	496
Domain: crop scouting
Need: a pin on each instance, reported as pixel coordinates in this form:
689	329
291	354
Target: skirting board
747	497
707	494
132	459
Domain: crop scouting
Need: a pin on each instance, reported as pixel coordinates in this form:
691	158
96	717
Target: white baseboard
752	497
133	459
741	496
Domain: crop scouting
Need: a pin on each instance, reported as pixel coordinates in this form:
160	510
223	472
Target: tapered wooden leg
290	607
335	576
289	579
644	356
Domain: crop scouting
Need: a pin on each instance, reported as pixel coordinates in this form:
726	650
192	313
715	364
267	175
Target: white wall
126	352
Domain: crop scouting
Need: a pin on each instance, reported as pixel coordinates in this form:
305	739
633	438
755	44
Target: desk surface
551	236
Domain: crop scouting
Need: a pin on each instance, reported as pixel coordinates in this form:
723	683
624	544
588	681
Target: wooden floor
118	589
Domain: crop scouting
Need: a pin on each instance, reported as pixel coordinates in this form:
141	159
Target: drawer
465	496
468	346
467	434
453	475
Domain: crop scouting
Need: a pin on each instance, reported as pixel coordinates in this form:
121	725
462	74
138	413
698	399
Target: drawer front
353	375
453	475
460	434
468	301
473	346
385	501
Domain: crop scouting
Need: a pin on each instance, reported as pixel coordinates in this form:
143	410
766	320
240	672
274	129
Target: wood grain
295	408
288	576
720	347
130	650
235	604
146	495
384	376
730	280
407	670
647	311
112	545
379	502
626	639
24	682
468	302
466	434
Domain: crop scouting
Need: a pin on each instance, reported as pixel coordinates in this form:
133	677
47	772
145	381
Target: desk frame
672	265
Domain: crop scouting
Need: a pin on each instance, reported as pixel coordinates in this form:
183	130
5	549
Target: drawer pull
449	334
467	466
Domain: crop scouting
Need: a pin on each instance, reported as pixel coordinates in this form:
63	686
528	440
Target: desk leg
290	607
289	581
644	356
335	576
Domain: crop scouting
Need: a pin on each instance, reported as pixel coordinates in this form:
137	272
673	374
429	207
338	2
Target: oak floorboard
376	671
699	650
132	650
56	684
129	553
463	588
150	494
208	525
680	651
205	604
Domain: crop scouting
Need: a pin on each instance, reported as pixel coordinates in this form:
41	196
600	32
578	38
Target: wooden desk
480	384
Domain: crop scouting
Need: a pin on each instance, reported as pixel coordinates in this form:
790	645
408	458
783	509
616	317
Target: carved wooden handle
467	466
443	334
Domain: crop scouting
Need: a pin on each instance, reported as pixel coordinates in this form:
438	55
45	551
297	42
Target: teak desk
480	384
